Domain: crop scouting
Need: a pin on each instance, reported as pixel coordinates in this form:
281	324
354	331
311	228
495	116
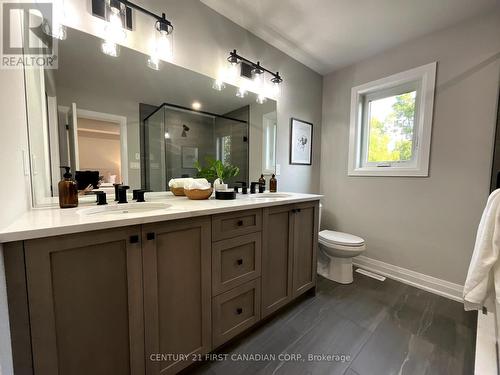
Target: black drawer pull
239	262
298	209
240	223
150	236
239	311
134	239
294	210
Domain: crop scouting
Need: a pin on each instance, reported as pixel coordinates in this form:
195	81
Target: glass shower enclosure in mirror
119	120
176	139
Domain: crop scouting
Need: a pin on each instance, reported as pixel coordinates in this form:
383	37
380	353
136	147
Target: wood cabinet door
86	304
277	257
177	269
305	244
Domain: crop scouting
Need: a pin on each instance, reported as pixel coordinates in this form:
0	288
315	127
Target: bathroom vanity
154	292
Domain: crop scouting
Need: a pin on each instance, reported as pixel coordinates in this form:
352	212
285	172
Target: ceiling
326	35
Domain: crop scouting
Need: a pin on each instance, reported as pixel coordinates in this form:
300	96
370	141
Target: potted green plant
216	171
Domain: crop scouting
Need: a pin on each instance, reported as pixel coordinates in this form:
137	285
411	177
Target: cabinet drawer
235	311
235	261
235	224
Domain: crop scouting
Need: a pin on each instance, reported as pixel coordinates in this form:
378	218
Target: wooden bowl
197	194
179	192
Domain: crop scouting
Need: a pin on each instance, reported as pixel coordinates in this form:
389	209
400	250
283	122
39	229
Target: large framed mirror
119	120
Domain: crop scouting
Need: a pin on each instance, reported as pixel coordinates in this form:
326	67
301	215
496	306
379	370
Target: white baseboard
416	279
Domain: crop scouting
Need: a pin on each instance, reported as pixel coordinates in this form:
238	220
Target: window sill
388	172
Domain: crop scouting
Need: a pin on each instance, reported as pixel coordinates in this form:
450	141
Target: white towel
197	184
178	182
483	278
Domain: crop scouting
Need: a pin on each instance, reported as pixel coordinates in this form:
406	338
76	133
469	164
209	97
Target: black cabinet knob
134	239
239	311
240	223
239	262
150	236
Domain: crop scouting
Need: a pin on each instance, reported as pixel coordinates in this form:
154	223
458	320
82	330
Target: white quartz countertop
46	222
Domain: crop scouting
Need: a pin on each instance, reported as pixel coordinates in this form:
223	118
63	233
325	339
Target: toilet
335	253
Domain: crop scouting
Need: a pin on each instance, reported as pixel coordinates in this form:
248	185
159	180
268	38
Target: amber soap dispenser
68	190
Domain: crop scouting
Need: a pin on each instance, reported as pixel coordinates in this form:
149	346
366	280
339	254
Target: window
391	122
224	149
269	143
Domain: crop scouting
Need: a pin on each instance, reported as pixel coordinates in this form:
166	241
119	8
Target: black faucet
122	194
140	195
262	187
117	187
244	188
101	198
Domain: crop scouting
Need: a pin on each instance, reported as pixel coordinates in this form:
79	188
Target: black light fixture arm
162	20
234	57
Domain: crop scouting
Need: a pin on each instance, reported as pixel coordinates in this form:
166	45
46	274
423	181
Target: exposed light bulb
196	106
109	48
167	135
161	43
261	99
257	77
241	92
276	85
154	62
114	32
219	85
165	46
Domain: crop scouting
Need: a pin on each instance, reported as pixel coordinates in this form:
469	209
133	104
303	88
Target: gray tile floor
372	327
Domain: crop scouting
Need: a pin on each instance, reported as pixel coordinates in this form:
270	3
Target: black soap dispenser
68	190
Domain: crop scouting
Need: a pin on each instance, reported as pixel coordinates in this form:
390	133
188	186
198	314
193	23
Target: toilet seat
340	240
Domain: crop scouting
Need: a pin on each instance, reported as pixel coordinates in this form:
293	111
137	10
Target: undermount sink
124	209
270	195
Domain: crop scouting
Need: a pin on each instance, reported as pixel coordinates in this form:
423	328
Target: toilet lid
339	238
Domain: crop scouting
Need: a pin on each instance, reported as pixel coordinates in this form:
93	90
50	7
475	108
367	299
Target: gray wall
427	225
203	39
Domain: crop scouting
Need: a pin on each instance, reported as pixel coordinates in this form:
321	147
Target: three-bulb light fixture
161	47
251	78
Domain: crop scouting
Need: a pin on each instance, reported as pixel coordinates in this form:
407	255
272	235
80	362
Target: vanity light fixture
257	74
118	13
167	134
185	129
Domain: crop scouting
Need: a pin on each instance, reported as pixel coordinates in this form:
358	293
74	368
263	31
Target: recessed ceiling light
196	105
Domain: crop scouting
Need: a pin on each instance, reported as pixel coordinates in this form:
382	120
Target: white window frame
422	79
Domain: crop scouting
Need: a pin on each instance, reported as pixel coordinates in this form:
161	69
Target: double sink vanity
149	288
